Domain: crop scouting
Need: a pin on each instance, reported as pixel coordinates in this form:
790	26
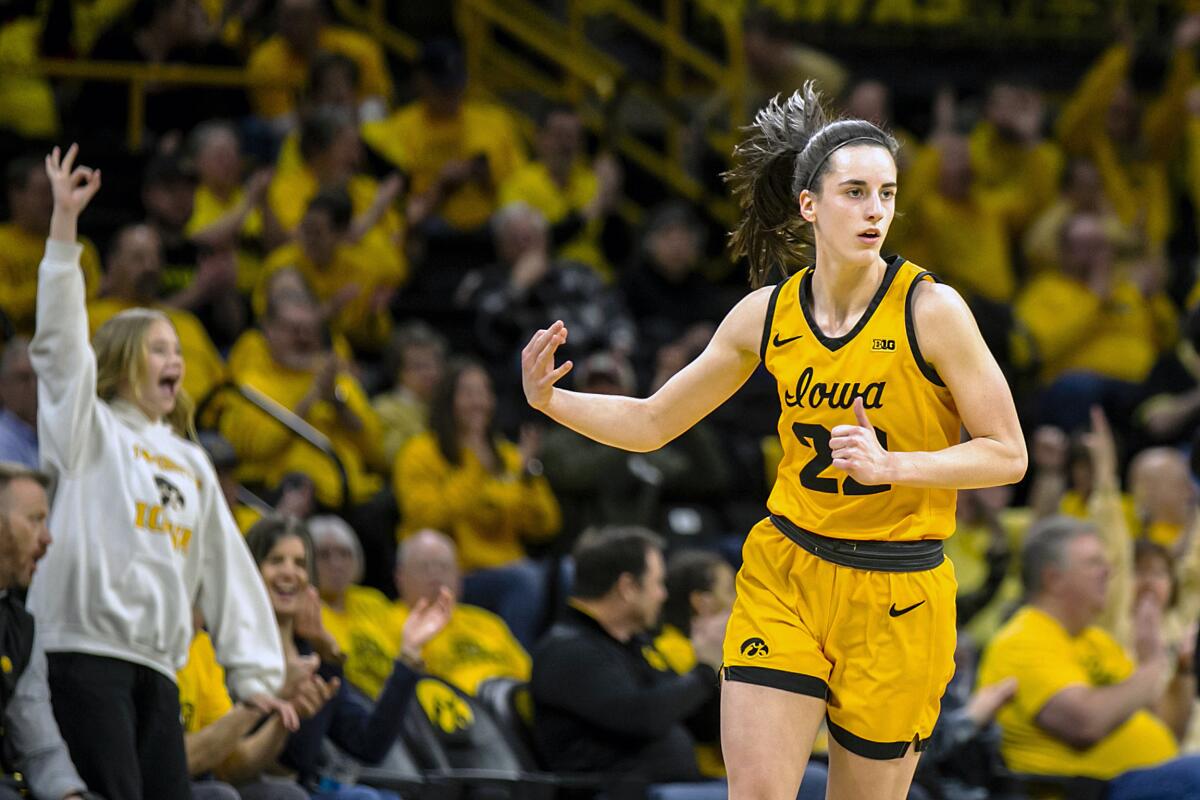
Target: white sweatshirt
141	530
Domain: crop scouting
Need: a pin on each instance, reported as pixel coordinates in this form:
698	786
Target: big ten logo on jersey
448	712
154	517
883	345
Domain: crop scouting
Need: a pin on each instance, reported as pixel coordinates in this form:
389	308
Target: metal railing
295	425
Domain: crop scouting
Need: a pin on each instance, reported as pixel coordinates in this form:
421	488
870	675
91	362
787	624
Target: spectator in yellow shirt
1083	707
226	211
1163	494
1096	331
416	356
333	83
359	618
353	293
134	270
308	379
225	462
488	493
476	645
456	152
1009	150
283	59
1132	146
577	199
23	241
235	743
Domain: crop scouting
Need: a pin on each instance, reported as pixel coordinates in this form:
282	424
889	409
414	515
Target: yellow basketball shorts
877	646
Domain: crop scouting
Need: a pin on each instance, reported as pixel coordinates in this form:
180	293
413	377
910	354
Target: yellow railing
138	76
371	15
583	74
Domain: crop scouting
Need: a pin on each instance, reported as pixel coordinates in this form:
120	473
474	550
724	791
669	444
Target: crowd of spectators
364	251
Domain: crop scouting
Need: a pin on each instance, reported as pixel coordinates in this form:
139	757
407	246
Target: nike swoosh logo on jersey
899	612
781	342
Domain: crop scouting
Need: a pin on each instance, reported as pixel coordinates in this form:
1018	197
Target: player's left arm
995	454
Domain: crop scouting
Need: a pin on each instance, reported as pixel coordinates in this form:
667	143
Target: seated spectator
602	485
18	405
1133	144
32	744
1168	405
960	229
475	645
600	704
359	618
23	238
283	60
353	288
577	199
132	280
227	211
333	83
283	551
191	280
156	32
1082	192
1164	495
309	379
416	358
667	294
699	586
1083	707
236	743
488	493
514	298
1096	331
251	351
455	151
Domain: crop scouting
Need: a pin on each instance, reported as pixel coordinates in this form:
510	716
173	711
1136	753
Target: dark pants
121	723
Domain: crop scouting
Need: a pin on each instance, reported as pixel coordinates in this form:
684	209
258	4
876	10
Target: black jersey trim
876	751
794	682
770	319
910	326
834	343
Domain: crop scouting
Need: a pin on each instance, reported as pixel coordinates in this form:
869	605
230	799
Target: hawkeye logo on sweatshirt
156	516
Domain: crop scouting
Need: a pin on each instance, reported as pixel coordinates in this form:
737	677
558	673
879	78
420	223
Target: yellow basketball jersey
819	376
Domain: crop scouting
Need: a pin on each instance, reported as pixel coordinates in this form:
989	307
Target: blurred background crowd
356	214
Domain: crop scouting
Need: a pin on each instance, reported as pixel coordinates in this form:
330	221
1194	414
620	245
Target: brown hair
120	347
787	151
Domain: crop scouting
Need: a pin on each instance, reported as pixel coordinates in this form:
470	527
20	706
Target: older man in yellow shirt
1083	707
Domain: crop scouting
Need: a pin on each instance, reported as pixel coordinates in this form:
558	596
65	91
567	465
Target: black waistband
877	556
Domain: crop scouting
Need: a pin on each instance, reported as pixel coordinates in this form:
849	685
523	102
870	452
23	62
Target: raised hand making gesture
73	188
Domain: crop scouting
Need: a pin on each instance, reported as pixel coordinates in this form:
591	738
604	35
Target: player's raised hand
538	374
73	187
857	452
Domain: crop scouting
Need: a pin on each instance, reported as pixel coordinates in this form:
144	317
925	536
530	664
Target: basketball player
845	602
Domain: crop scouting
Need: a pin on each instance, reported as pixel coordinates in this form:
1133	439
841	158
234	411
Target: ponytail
787	151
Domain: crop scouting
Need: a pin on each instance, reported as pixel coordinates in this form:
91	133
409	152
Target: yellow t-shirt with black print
1045	659
476	645
203	698
366	633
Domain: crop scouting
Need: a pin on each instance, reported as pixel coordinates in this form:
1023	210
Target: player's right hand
538	374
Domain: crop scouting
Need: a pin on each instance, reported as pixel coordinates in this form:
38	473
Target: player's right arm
645	424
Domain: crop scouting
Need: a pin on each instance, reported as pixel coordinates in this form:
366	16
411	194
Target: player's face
162	378
285	572
856	205
24	536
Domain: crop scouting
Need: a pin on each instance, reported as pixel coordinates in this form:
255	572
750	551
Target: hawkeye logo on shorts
883	345
754	646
